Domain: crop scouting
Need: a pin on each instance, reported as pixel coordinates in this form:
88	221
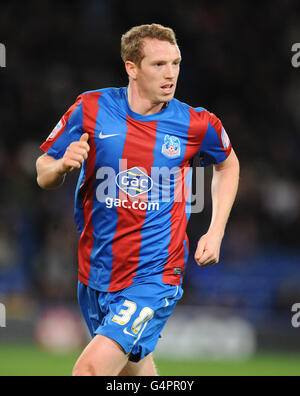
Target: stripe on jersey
179	220
178	229
138	152
85	246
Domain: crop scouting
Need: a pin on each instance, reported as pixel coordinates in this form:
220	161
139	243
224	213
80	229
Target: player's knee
84	369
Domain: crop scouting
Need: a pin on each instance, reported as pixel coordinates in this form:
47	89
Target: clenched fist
208	249
75	154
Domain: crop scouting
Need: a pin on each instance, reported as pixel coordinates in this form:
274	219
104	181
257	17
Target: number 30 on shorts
126	314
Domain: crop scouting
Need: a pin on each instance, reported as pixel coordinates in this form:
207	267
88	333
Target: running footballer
133	248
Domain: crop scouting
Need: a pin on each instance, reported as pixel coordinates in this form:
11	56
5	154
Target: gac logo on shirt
134	182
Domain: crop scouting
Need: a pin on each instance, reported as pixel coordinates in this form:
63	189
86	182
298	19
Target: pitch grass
29	360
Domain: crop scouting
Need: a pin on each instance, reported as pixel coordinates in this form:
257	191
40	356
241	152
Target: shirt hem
92	285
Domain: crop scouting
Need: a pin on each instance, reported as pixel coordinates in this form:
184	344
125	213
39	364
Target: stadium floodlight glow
296	57
2	55
2	315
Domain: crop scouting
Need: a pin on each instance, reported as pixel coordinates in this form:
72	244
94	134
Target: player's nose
170	72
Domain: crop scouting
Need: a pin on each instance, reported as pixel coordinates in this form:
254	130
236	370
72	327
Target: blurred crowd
236	63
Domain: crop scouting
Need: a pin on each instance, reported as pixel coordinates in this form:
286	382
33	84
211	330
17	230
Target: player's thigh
145	367
102	357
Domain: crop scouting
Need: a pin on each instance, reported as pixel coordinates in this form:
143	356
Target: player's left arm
224	190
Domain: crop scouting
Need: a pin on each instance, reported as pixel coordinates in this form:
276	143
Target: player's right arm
51	172
66	148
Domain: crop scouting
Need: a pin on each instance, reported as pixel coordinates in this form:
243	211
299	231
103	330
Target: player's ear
131	69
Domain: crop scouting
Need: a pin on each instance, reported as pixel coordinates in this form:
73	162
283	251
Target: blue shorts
133	317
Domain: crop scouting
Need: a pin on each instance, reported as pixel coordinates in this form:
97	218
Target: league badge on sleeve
171	147
57	129
225	139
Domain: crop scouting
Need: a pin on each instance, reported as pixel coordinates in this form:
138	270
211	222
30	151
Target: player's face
158	73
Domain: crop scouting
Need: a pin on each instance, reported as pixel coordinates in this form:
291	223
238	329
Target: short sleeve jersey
134	189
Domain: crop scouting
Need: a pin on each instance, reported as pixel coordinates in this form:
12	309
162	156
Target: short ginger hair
132	42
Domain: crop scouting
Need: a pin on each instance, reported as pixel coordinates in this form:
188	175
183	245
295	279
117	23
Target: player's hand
75	154
208	249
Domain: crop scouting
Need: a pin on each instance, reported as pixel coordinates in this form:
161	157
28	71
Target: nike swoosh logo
101	136
127	332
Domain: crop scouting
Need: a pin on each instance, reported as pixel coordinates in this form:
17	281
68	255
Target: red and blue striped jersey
134	189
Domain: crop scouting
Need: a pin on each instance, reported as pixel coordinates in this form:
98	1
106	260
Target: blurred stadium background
235	318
